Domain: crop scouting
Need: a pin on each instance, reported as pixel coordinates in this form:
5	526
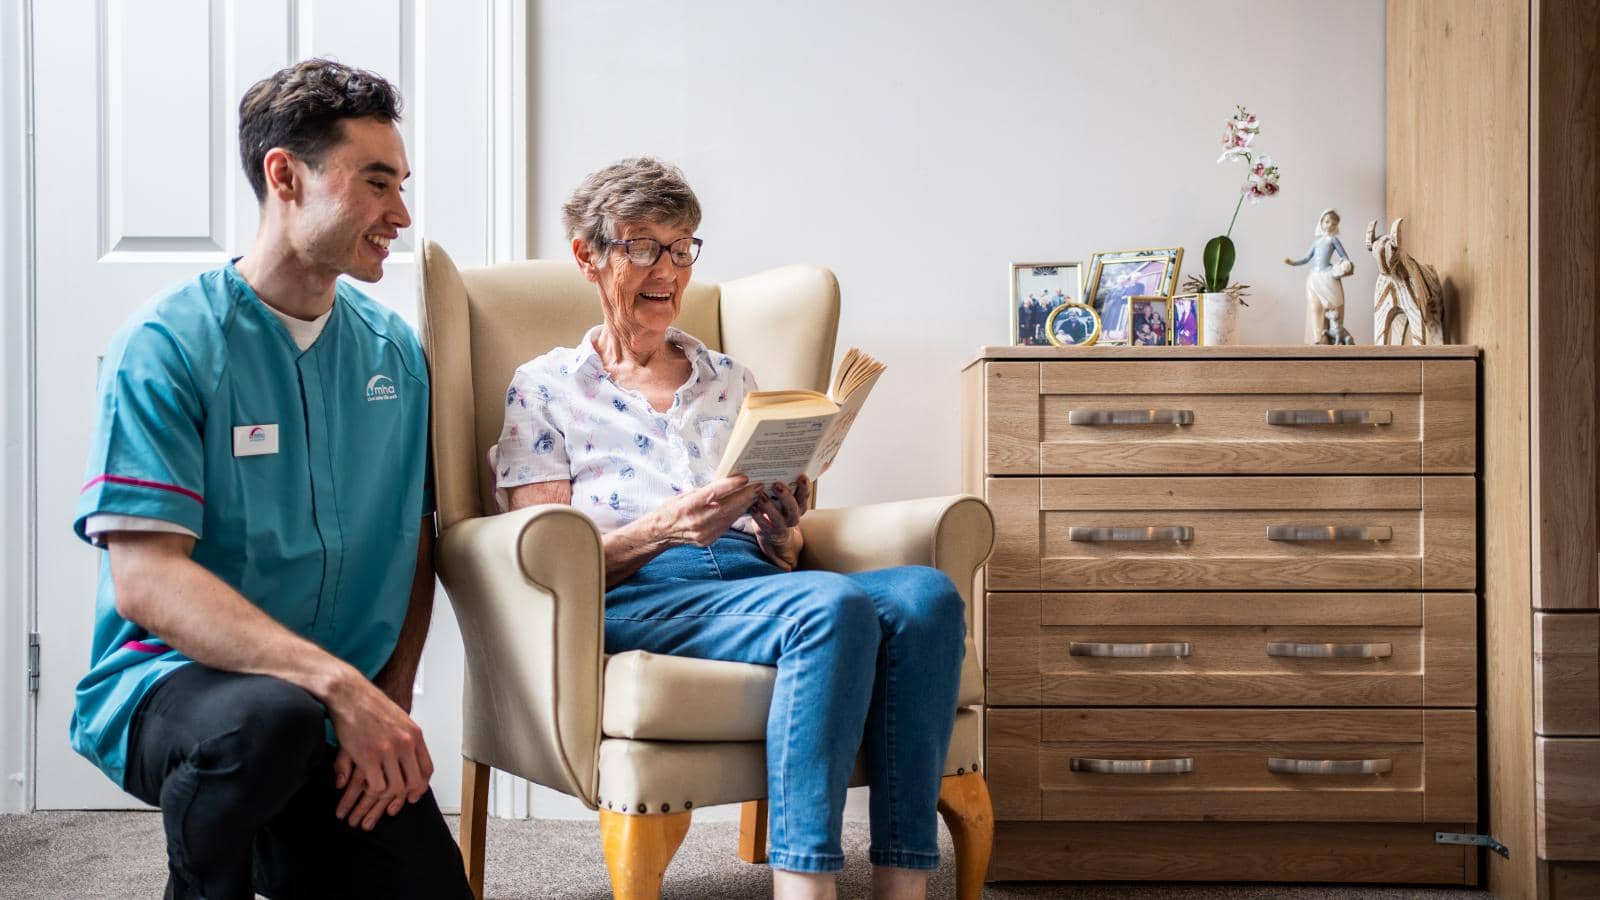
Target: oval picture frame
1057	340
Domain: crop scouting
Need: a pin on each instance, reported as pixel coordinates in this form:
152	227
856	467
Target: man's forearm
400	672
170	595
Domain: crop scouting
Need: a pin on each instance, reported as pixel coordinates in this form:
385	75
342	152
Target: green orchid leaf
1219	262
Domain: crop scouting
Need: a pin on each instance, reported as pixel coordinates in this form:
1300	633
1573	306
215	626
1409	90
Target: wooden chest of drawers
1230	618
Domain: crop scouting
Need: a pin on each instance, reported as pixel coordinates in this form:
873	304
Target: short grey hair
641	189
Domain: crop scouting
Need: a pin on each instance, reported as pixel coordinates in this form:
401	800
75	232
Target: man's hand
383	762
777	519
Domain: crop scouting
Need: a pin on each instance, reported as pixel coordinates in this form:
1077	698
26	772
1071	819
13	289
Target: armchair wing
528	591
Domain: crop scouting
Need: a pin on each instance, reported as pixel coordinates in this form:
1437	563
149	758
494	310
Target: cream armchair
644	739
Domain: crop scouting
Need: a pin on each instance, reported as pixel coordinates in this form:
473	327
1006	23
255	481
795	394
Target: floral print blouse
566	419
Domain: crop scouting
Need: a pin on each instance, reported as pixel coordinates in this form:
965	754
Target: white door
139	187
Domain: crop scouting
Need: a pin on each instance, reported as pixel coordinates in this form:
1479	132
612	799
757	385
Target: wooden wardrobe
1493	130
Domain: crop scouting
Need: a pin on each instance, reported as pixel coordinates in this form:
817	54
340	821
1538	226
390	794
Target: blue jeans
869	660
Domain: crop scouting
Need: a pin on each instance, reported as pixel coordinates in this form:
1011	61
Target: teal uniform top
304	475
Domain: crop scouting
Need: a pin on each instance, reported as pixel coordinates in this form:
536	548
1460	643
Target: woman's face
1329	222
638	299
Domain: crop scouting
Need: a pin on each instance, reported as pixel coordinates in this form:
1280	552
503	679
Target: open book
780	434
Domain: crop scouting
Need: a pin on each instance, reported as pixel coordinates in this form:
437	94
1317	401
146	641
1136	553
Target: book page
849	408
777	449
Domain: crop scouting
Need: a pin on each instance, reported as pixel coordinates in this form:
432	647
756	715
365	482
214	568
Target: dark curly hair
300	109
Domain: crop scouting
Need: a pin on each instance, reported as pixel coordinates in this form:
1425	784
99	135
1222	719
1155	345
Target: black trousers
243	773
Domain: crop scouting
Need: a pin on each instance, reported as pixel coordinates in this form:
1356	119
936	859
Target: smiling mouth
657	298
379	241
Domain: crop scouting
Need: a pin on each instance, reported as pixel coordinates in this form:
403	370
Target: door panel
139	188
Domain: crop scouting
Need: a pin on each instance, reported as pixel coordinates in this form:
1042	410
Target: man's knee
273	721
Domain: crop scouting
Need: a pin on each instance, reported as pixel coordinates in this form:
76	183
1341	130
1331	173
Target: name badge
255	440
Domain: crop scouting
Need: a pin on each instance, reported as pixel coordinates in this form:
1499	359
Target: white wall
918	148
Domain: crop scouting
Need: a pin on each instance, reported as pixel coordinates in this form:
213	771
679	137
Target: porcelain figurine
1324	294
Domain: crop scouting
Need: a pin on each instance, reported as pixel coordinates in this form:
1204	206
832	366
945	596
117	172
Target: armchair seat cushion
654	697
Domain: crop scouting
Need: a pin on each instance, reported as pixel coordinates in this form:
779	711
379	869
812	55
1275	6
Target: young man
258	477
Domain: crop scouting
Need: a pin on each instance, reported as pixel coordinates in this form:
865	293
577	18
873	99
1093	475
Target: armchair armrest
952	534
528	588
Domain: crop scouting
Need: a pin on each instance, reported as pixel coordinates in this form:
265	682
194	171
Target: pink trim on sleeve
142	647
140	482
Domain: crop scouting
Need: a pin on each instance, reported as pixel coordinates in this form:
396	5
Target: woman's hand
776	519
701	516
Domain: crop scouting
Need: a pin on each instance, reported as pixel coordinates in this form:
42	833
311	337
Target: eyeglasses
645	251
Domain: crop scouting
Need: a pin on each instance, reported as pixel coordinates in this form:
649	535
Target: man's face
352	208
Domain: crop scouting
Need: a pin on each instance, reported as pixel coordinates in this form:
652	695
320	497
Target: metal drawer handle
1329	417
1330	651
1148	533
1283	766
1180	766
1329	533
1091	648
1130	417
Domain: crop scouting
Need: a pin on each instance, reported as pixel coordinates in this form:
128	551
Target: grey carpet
112	854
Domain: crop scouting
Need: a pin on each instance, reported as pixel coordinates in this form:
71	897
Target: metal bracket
33	662
1475	840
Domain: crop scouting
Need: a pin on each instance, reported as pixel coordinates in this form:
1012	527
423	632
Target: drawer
1222	533
1256	649
1164	417
1566	673
1240	765
1568	772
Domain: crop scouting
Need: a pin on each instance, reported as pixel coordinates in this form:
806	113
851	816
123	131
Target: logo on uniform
257	435
381	387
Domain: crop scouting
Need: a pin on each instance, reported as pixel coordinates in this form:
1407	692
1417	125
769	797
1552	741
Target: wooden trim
1457	72
1569	798
1010	422
1569	881
1564	248
1449	416
1367	852
1566	674
991	353
1450	649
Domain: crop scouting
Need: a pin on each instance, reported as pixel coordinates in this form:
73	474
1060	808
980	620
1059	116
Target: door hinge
1478	840
33	662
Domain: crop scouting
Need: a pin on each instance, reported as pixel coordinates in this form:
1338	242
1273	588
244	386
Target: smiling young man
258	477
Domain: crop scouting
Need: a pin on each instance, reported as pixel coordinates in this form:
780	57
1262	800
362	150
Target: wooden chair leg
638	850
964	803
753	831
474	820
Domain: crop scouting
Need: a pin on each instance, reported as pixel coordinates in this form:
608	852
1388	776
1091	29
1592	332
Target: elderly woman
628	427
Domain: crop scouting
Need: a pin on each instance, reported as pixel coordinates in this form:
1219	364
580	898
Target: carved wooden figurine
1409	300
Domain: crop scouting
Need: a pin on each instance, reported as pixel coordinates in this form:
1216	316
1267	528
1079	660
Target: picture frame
1116	275
1149	321
1188	326
1073	325
1037	289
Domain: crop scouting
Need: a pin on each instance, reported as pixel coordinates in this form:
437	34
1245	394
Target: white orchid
1260	183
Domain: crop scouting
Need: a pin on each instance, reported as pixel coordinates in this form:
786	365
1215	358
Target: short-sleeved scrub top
303	474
